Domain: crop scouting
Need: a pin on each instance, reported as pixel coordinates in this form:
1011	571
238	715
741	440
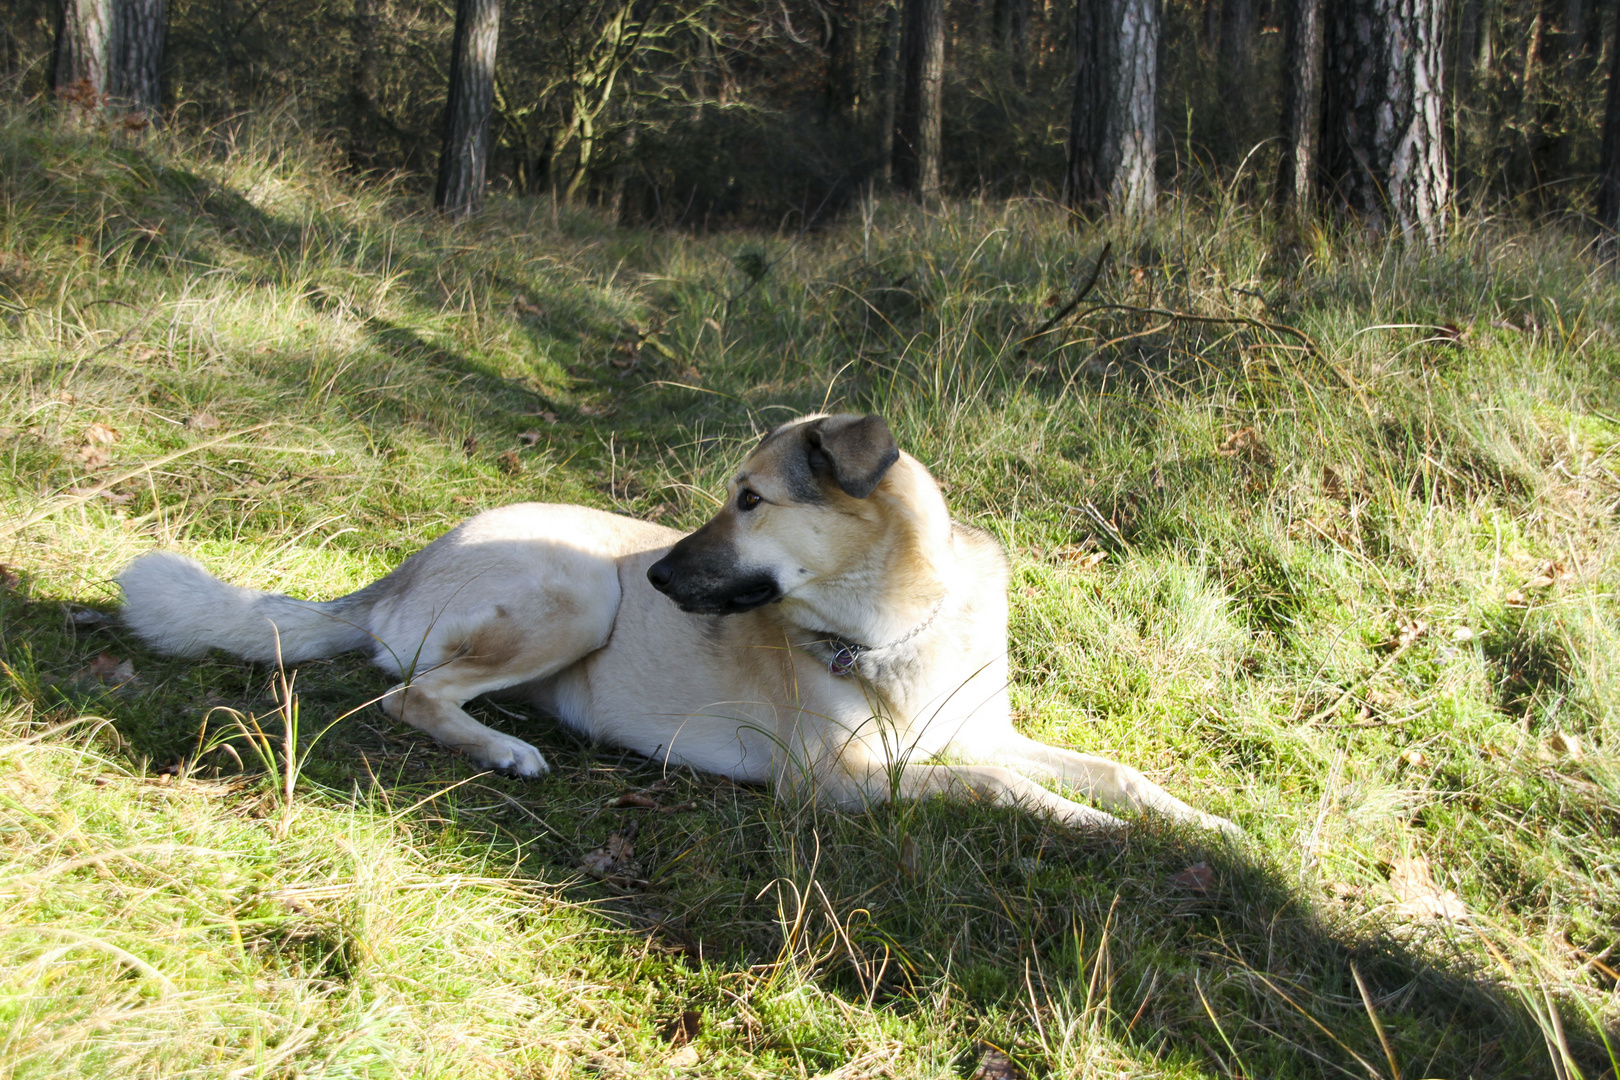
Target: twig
1085	290
1187	316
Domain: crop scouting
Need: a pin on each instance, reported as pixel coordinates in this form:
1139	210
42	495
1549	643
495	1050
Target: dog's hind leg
498	653
1114	785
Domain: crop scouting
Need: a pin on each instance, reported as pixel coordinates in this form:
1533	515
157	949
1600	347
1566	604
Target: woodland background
706	113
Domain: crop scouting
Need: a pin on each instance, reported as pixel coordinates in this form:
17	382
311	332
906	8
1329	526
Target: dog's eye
747	500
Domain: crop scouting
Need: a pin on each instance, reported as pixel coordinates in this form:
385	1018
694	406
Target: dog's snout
660	575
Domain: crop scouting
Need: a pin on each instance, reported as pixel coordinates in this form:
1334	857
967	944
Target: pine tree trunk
363	84
1113	125
1010	25
842	91
1235	72
137	63
1383	149
888	77
79	68
922	77
1608	193
465	152
1302	107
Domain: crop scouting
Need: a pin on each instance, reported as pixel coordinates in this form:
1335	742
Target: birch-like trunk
1302	107
922	77
1383	144
84	38
465	152
1113	125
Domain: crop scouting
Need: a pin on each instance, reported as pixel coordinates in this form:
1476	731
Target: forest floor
1319	533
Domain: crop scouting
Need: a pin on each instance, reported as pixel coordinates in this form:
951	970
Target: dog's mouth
735	604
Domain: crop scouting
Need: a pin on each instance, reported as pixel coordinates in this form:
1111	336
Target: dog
830	631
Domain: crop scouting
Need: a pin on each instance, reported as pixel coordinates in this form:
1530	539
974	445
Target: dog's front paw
514	757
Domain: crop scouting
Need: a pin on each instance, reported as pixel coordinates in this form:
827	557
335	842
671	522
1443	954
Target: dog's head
800	509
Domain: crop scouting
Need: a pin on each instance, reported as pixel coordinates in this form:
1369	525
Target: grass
1359	596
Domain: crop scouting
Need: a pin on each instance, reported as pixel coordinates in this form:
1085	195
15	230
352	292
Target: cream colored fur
553	602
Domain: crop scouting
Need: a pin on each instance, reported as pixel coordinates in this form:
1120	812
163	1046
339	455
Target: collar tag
843	660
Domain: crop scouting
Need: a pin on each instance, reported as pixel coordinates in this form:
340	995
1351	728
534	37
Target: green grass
1381	627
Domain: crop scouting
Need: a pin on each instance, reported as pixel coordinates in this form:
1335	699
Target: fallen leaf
100	434
908	856
1415	758
677	808
201	421
1245	443
114	497
593	410
1198	878
1079	556
1333	485
994	1064
1516	598
684	1028
1419	896
88	617
1343	890
469	445
547	415
637	799
93	456
9	578
509	462
1463	633
529	438
1410	632
1562	744
614	861
108	670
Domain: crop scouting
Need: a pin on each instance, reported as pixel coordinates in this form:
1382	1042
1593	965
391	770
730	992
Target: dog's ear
854	450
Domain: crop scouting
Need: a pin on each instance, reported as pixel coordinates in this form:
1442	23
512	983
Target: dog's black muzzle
703	577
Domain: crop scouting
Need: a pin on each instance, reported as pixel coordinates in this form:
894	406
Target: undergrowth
1318	532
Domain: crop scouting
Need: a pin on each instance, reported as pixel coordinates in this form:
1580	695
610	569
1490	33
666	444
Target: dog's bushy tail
179	608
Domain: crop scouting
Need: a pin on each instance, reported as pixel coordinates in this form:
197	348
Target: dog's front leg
960	783
1109	782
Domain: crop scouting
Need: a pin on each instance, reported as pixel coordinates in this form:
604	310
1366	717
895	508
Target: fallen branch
1085	290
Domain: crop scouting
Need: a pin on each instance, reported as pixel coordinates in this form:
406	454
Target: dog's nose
660	575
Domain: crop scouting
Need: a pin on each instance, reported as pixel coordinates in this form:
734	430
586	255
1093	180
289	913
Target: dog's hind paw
514	757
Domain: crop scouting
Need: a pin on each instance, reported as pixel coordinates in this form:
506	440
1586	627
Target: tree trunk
1113	127
1383	150
363	84
79	68
465	151
1234	72
1302	107
1608	193
888	76
842	92
1010	25
922	77
137	63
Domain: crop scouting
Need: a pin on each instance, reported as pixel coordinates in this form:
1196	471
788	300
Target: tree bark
842	91
363	84
465	152
1302	107
137	64
1113	126
1010	25
917	120
888	77
1234	70
1383	146
79	68
1608	193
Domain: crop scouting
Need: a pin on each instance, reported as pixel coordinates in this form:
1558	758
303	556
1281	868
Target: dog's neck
900	592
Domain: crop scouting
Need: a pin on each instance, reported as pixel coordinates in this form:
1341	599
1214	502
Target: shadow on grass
1054	943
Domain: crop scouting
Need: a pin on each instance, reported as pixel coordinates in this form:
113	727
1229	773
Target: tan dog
831	630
